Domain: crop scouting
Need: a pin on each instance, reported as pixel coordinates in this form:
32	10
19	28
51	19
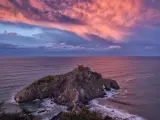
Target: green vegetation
24	115
15	116
50	77
45	79
84	114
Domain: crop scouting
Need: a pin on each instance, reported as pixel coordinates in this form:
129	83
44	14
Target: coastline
48	109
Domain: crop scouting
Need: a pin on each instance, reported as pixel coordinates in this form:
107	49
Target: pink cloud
104	18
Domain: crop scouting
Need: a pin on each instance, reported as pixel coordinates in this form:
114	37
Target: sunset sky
79	27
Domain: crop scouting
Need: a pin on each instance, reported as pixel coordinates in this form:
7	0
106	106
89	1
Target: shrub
84	114
25	115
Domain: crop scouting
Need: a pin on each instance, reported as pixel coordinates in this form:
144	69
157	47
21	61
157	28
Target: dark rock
57	117
42	111
84	114
78	86
114	85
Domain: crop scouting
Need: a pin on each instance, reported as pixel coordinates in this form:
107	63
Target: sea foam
48	109
107	110
111	93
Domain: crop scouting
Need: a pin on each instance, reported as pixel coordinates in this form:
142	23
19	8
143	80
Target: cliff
73	89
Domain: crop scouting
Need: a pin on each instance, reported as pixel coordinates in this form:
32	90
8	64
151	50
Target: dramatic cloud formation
80	27
111	20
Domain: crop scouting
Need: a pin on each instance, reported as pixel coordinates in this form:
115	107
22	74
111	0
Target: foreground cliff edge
73	89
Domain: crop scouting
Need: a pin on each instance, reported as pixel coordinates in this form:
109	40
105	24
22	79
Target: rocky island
73	89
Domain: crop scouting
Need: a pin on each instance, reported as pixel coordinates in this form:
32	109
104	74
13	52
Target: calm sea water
138	77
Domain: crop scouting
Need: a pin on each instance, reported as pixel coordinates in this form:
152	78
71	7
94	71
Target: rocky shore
73	89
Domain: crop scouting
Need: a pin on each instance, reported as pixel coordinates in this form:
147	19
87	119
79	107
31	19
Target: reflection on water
138	77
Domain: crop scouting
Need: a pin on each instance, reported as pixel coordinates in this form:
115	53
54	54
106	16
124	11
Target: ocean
138	77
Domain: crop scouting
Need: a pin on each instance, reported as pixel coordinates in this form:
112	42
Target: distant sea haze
138	78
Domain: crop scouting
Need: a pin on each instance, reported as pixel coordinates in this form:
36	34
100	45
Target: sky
79	27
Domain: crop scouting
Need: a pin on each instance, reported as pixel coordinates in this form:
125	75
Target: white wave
49	109
112	112
11	100
110	94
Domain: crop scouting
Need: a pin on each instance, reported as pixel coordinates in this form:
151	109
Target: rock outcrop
71	89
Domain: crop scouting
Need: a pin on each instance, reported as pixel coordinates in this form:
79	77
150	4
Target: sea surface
138	77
